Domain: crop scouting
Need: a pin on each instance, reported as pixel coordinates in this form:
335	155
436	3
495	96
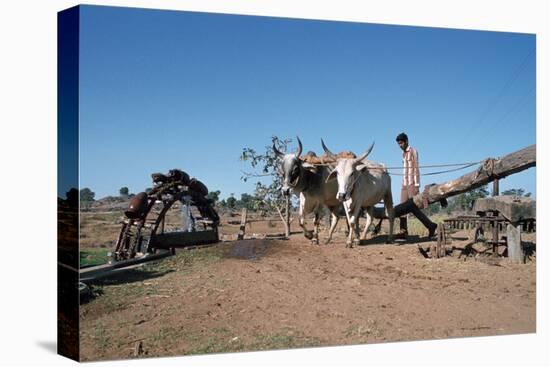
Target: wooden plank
487	172
515	251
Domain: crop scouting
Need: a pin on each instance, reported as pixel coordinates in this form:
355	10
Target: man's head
403	141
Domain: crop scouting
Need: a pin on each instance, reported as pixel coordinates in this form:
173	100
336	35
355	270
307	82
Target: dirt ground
259	294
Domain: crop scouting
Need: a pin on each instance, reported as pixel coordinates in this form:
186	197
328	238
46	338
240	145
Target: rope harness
487	166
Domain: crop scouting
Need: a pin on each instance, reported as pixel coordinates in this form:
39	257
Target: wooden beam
99	271
489	170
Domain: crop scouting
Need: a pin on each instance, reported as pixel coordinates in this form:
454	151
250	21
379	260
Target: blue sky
167	89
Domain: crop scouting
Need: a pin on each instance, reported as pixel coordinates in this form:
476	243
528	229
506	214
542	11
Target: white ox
361	184
309	183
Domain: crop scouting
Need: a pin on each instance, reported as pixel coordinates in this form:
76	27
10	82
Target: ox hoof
308	235
327	242
315	241
356	242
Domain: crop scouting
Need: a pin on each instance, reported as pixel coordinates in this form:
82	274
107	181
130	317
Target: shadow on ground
123	277
382	240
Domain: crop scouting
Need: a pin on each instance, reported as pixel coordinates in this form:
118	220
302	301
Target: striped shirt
411	172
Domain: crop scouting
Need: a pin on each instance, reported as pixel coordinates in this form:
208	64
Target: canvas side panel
67	183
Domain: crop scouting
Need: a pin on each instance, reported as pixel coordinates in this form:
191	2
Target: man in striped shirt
411	177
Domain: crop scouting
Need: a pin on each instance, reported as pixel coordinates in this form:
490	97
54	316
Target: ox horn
327	151
365	154
278	153
299	151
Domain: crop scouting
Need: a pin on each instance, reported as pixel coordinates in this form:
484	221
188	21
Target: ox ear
310	167
331	175
361	167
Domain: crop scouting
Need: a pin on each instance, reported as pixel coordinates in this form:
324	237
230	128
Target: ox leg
316	222
369	214
377	227
353	238
390	213
355	226
351	221
347	227
304	210
333	222
357	239
307	233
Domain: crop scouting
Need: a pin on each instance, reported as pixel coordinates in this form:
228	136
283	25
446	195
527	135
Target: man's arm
415	167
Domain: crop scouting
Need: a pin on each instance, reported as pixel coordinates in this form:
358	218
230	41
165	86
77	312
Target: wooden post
495	238
515	251
242	228
438	250
495	188
441	240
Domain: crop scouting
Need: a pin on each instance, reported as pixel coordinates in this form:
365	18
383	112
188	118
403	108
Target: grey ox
308	181
361	184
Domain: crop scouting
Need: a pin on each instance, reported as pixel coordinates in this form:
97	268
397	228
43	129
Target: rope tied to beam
487	167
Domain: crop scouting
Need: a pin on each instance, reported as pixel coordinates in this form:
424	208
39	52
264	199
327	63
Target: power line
438	165
490	127
440	172
514	108
497	98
